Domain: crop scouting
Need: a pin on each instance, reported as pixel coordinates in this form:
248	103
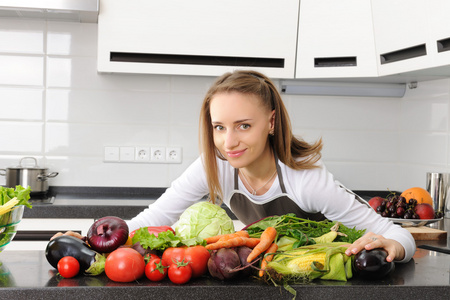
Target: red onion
107	234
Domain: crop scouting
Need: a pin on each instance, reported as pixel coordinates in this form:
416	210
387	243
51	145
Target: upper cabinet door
439	33
199	37
401	32
335	39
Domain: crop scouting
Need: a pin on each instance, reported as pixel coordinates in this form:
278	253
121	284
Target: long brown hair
287	147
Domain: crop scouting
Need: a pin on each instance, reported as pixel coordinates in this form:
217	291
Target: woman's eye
245	126
218	127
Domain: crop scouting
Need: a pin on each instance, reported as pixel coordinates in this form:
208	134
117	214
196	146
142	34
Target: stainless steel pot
32	176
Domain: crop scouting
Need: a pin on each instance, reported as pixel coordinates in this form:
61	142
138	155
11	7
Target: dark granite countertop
28	275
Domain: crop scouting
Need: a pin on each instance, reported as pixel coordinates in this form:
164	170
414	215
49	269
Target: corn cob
307	262
325	261
8	206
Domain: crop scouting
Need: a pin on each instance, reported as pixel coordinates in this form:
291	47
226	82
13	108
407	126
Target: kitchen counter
28	275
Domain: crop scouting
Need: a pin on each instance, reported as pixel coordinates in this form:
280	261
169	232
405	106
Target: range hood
85	11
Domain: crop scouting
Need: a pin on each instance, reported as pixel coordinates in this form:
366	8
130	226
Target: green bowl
8	225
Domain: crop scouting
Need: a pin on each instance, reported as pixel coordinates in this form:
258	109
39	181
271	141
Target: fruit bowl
414	222
8	225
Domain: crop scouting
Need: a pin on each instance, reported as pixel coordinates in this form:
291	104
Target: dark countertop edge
233	292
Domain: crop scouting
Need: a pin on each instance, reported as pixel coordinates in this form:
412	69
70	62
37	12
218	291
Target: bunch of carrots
264	245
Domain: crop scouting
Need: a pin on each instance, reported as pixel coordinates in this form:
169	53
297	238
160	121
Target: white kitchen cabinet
199	37
335	39
439	32
401	31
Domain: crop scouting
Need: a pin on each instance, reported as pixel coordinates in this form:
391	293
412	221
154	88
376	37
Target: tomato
154	270
149	256
68	266
124	265
173	255
198	257
180	273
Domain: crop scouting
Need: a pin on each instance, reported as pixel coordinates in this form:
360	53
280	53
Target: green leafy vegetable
302	229
148	240
203	220
22	194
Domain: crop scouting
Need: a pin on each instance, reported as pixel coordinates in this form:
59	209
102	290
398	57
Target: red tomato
124	265
149	256
68	267
154	270
180	273
173	255
197	257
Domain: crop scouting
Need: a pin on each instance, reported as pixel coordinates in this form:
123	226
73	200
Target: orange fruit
420	194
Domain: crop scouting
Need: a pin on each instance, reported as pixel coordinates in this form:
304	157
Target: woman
252	162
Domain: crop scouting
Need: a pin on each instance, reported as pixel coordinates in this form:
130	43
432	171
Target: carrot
267	238
216	238
271	252
234	242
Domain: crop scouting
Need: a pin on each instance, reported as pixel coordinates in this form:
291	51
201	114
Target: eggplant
91	262
372	264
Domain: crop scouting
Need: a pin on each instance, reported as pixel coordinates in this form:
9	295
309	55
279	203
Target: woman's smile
236	153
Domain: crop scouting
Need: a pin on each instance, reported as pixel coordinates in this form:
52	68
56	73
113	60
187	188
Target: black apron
247	211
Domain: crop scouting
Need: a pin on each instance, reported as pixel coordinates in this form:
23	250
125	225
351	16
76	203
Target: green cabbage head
203	220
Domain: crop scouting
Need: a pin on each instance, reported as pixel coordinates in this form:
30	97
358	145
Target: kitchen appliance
33	176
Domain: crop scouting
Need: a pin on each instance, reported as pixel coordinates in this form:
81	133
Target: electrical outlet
158	154
173	155
142	154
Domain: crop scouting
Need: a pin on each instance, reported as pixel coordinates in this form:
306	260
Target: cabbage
203	220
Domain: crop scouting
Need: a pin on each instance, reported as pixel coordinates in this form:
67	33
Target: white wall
54	106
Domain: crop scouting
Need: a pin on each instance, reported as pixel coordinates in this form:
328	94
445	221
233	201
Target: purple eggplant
372	264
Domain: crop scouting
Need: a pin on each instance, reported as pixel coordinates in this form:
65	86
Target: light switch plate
126	153
111	154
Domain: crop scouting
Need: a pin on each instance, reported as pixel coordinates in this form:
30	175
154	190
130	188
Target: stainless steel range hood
85	11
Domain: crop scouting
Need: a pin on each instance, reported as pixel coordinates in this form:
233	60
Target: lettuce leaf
22	194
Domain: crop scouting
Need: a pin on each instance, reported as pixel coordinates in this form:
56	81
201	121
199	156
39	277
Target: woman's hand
71	233
371	241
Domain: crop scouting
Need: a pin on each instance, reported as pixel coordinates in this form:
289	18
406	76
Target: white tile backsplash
22	36
21	104
57	107
21	70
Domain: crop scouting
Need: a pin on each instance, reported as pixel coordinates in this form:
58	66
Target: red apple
375	202
425	211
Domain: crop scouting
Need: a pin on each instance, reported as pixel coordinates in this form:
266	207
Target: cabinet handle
180	59
443	45
403	54
327	62
37	235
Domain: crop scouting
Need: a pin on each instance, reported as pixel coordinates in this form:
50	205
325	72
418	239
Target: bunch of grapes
395	206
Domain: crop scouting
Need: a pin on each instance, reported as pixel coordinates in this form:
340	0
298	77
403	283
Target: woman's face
241	127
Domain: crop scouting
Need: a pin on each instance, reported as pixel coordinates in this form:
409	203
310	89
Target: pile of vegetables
280	249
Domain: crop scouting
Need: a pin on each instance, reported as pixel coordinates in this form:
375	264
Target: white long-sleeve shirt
314	190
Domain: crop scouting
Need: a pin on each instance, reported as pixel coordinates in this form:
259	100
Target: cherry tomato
198	257
180	273
173	255
155	270
149	256
124	265
68	266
